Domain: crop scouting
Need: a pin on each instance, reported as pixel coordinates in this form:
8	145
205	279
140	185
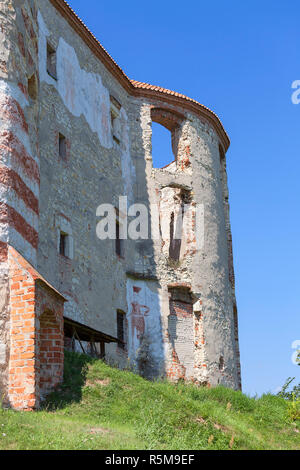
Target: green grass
100	407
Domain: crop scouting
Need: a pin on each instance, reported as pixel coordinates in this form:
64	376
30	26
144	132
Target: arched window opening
165	136
162	153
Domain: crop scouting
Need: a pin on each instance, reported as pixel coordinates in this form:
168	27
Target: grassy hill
100	407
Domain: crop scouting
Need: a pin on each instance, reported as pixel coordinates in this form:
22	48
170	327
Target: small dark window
113	121
51	61
120	329
115	108
62	145
32	87
221	363
119	241
63	244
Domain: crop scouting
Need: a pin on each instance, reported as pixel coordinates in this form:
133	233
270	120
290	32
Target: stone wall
97	171
75	133
19	165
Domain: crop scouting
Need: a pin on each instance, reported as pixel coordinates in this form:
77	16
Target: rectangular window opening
119	241
115	108
51	61
121	329
62	145
63	243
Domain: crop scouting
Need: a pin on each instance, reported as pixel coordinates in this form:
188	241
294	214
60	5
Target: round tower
188	260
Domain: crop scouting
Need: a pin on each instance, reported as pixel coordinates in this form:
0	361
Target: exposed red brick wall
175	371
36	345
180	311
185	160
22	390
49	309
51	352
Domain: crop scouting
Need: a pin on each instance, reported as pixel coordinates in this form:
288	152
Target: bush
294	408
287	394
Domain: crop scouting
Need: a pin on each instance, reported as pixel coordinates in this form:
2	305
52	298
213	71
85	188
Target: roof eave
132	86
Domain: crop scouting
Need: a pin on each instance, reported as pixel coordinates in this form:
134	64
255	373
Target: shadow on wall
51	353
70	391
150	348
145	335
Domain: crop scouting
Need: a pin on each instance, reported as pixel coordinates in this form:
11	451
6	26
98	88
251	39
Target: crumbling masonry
75	133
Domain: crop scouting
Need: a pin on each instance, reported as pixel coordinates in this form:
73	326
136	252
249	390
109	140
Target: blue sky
239	59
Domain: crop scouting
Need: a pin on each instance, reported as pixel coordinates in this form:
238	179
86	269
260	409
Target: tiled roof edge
134	87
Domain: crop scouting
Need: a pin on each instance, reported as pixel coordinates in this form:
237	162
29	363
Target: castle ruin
75	133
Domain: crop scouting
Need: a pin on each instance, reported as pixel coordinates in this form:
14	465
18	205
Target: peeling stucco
177	295
82	92
144	326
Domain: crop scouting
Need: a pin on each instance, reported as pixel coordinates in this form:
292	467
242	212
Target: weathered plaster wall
210	266
19	165
43	193
207	269
81	91
145	345
104	170
97	170
19	170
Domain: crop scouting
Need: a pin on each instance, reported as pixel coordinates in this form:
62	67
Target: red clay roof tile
131	85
